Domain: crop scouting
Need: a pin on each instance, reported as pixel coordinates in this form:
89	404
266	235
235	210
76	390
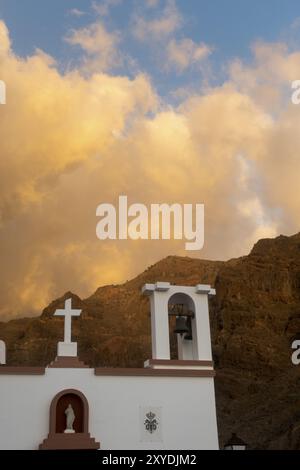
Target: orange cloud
69	141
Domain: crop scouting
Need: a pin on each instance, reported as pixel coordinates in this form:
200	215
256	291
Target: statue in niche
70	418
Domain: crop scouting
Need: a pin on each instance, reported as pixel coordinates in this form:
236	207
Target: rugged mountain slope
254	317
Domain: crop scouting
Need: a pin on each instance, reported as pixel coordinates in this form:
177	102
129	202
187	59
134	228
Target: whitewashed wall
188	416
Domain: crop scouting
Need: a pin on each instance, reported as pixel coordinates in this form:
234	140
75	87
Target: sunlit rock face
254	318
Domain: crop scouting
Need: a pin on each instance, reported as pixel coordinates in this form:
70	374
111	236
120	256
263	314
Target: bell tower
190	307
194	368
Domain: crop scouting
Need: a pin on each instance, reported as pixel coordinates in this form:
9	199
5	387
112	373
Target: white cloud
100	46
103	8
159	28
76	12
152	3
185	52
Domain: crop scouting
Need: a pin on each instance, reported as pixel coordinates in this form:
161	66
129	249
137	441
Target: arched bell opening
181	311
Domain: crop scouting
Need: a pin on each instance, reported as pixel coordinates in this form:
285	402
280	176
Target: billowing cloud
69	141
184	53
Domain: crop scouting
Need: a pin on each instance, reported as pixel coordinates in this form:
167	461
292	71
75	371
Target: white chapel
167	404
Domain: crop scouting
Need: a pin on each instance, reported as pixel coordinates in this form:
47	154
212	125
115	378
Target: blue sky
228	27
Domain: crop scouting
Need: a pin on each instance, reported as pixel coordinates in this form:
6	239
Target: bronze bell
181	326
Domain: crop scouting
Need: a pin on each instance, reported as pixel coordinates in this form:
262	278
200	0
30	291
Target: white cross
68	313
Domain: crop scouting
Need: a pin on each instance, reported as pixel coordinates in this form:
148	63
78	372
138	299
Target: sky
228	28
161	100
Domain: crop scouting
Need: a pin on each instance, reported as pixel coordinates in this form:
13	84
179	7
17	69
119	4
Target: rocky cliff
254	318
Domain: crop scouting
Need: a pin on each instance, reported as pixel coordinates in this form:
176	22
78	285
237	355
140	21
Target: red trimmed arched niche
57	411
57	438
